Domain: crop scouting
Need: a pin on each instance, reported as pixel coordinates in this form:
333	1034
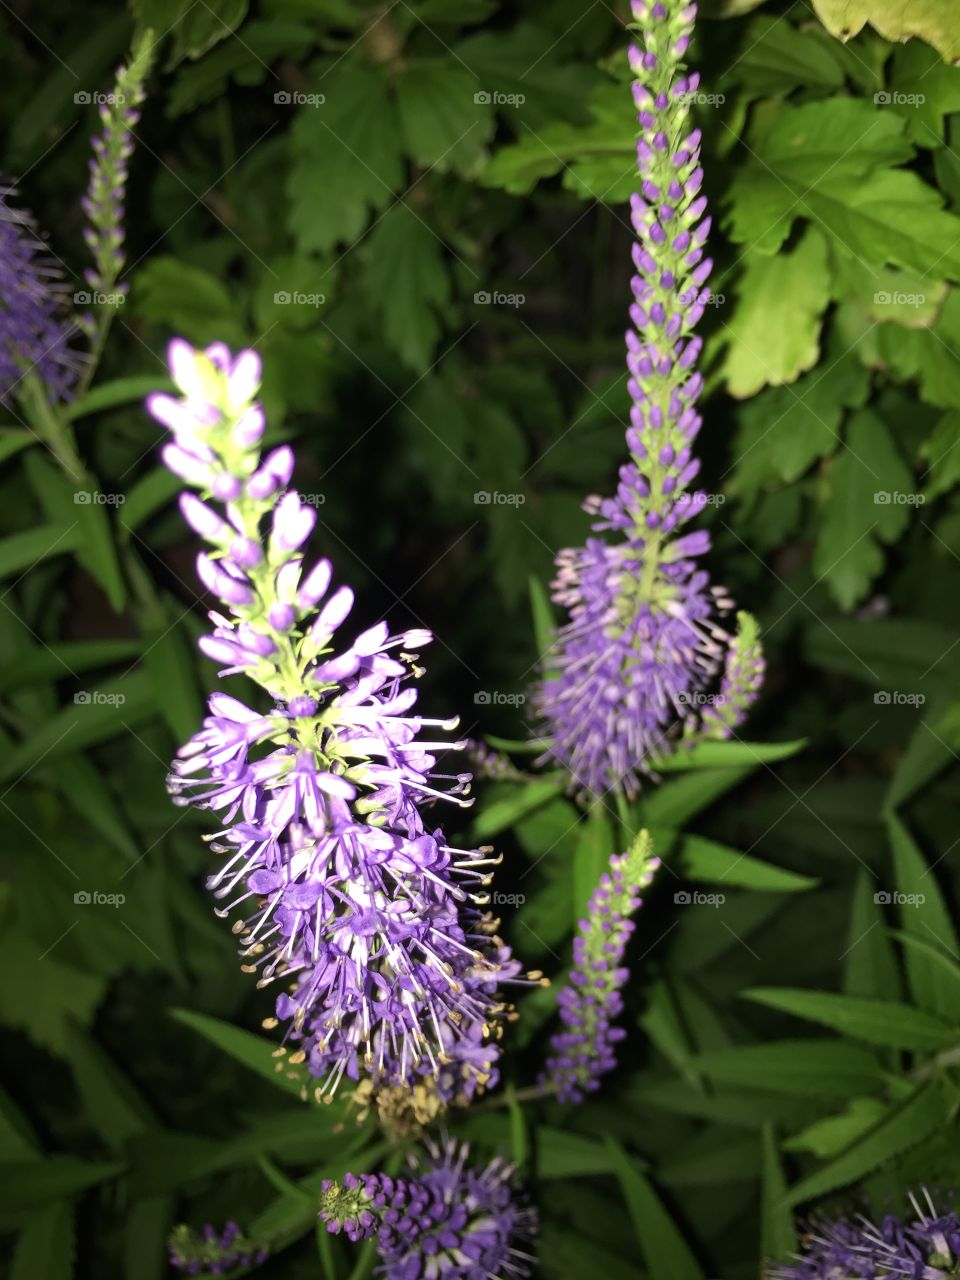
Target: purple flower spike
445	1220
632	668
924	1247
590	1003
211	1253
34	329
363	911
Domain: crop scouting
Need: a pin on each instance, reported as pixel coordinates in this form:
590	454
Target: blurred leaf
146	1229
906	1126
827	1137
170	665
592	854
517	803
34	1184
408	284
114	1107
870	967
255	1052
54	662
778	1238
931	20
680	799
729	755
120	391
544	622
882	1022
924	914
444	127
19	551
809	1068
86	789
188	300
705	860
202	26
149	495
46	1246
774	328
664	1249
38	993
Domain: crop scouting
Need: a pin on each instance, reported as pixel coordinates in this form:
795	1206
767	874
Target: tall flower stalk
591	1002
351	898
634	666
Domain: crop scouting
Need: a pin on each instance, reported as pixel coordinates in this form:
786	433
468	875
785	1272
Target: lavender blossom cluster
926	1247
447	1220
633	667
353	898
591	1002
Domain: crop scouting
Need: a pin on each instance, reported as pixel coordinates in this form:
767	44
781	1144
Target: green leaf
778	57
678	800
444	127
869	964
544	622
773	333
38	993
882	1022
518	1129
56	661
729	755
806	1068
119	391
408	284
347	158
19	551
861	509
204	25
114	1107
592	854
186	299
46	1246
662	1245
517	803
807	146
827	1137
932	746
85	786
777	1238
115	707
36	1183
149	495
12	441
932	20
96	532
923	1113
924	915
168	658
705	860
146	1229
253	1051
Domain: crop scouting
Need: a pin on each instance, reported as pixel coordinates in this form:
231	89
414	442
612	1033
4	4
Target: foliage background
832	377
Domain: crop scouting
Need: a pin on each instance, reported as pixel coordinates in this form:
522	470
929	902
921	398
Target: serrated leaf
932	20
187	300
38	993
863	508
881	1022
445	127
827	1137
806	1068
869	965
906	1126
347	157
408	284
774	329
